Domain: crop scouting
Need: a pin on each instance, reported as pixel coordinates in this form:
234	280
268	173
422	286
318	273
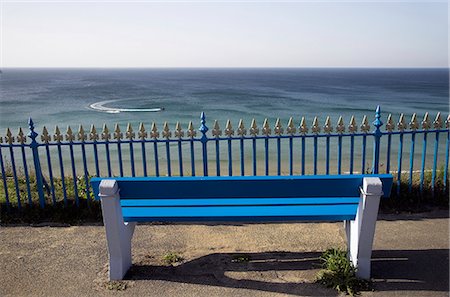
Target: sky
221	34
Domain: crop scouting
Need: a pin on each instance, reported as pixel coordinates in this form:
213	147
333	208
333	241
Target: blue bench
353	199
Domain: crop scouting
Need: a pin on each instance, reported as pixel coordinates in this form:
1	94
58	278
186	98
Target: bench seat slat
241	213
240	201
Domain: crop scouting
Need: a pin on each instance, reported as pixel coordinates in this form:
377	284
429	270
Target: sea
72	97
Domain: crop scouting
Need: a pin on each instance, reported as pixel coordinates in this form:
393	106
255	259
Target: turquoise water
96	96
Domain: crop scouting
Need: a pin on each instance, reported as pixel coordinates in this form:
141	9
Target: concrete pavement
410	258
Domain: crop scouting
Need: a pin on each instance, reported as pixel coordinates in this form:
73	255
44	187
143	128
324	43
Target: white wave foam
100	106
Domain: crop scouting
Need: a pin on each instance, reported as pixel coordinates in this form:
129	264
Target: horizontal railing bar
415	131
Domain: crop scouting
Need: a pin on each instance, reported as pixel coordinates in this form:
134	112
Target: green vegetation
338	273
57	184
416	200
240	258
116	285
172	258
60	212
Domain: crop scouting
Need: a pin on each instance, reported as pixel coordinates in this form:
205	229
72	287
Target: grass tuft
172	258
240	258
116	285
339	273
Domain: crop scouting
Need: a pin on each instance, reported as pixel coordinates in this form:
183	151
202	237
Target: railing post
37	164
204	139
376	144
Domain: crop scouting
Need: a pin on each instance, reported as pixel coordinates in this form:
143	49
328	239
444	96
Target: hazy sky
239	34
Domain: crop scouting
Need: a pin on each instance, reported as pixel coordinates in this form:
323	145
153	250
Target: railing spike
32	134
203	128
178	131
401	125
57	136
191	131
117	134
340	128
9	137
377	122
303	128
130	134
30	123
266	128
166	131
425	122
241	131
328	128
93	135
290	129
81	134
278	129
352	126
105	133
437	124
21	138
154	131
254	128
315	126
228	129
365	127
69	134
413	125
142	134
390	124
45	136
216	132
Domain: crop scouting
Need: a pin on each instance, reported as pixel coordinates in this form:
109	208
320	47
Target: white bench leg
361	231
118	233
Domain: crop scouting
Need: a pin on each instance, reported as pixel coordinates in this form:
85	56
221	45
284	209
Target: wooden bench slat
220	213
238	201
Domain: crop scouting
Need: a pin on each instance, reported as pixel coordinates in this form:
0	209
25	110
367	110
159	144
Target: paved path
411	258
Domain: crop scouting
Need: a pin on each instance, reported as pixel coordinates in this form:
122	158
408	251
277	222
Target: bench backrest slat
242	186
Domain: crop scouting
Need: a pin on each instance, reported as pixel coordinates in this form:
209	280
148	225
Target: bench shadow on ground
293	273
279	272
435	213
411	270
